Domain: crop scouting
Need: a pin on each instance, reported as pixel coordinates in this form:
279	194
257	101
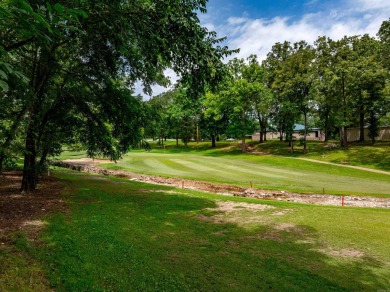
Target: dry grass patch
229	206
240	213
282	212
343	253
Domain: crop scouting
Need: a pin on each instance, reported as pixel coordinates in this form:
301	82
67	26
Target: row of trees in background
66	69
332	84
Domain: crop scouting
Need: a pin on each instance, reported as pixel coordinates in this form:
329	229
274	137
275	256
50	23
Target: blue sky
222	9
254	26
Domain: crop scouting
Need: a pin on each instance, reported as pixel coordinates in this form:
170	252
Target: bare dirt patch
24	212
240	213
239	206
343	253
289	227
285	226
91	166
282	212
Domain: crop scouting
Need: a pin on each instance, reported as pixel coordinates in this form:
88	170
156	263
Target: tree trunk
30	175
281	133
2	156
261	128
361	123
243	148
343	137
43	159
177	141
326	130
213	143
305	134
197	134
343	134
42	71
346	137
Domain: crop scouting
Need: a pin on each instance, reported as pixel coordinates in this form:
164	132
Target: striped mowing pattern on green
285	174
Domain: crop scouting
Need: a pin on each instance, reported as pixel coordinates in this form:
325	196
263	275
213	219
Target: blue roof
299	127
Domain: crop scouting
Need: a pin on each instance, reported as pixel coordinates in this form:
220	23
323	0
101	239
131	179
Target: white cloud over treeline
257	36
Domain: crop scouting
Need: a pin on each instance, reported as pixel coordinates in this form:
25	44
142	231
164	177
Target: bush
10	162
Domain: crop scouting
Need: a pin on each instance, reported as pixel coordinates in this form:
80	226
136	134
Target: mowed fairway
267	172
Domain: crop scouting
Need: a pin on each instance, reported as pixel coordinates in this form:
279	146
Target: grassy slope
264	171
375	156
123	235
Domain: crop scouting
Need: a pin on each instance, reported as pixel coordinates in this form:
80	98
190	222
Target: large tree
184	113
238	95
384	37
261	95
370	81
80	57
273	64
350	79
293	82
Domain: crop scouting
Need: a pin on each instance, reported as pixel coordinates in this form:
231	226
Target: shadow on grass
132	236
377	155
359	154
221	149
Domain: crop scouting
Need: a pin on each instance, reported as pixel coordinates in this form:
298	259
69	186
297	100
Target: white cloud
311	2
257	36
365	5
352	17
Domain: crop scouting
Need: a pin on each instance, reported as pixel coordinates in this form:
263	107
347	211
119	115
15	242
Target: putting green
268	172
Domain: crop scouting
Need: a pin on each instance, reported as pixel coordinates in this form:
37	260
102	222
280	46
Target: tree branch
19	44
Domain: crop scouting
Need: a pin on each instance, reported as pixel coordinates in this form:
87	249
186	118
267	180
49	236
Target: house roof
299	127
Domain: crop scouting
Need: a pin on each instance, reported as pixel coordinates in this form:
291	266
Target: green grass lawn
375	156
226	164
265	172
127	236
68	154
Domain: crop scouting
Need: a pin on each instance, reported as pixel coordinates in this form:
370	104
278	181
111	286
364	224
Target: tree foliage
78	59
332	84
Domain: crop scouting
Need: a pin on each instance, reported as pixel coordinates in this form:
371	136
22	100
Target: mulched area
20	211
